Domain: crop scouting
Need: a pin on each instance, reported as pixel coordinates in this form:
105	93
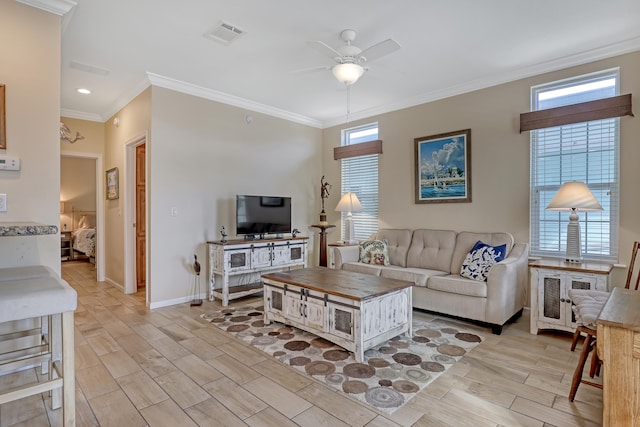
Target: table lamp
572	197
349	203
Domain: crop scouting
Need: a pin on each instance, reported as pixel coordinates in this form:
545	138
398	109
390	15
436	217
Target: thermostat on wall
9	163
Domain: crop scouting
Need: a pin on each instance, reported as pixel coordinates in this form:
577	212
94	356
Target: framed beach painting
113	191
443	167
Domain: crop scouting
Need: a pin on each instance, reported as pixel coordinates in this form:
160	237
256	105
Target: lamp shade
349	203
347	73
574	195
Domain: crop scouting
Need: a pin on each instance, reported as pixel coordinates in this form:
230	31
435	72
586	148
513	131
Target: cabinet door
296	253
315	314
341	321
275	298
280	255
261	257
551	297
293	306
238	260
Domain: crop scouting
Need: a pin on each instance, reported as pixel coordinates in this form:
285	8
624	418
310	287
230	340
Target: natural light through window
586	152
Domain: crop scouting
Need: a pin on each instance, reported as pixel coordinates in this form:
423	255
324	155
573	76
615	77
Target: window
585	152
360	176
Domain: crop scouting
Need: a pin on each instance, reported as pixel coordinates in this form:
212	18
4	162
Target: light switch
3	202
174	211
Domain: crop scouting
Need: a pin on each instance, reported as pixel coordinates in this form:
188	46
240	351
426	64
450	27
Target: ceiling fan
349	58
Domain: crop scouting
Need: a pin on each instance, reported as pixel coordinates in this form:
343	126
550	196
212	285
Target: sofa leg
496	329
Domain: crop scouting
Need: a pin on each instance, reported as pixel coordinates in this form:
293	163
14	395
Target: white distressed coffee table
353	310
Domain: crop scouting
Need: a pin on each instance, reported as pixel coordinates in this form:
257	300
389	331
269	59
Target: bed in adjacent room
83	236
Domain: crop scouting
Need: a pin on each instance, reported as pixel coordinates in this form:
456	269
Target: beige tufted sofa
432	260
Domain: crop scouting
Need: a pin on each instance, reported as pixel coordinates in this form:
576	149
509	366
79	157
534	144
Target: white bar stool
37	292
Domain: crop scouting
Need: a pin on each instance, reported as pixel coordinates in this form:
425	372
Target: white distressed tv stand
245	260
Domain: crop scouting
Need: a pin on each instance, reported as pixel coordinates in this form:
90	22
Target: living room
198	160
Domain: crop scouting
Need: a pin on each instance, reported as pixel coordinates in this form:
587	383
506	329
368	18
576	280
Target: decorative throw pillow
369	246
480	259
379	258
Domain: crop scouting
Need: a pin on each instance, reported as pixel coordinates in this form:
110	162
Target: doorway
99	206
136	216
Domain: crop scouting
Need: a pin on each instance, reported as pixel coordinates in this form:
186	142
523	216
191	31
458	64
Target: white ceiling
448	47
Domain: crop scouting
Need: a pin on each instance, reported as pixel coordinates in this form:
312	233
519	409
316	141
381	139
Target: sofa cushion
369	246
458	285
398	241
466	239
480	259
419	276
432	250
359	267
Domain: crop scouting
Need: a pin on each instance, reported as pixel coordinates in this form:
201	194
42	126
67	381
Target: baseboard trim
175	301
114	283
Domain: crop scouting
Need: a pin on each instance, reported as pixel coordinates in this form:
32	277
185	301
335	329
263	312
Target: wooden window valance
606	108
355	150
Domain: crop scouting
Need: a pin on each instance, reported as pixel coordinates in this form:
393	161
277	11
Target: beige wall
133	120
202	155
93	132
30	69
499	157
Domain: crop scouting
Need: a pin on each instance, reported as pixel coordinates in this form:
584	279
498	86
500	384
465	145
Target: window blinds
360	176
584	152
358	152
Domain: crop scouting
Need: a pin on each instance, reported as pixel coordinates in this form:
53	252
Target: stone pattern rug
391	374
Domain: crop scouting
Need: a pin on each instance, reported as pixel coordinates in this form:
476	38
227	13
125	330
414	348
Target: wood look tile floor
168	367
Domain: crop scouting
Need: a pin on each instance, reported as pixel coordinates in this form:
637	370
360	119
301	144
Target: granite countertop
26	229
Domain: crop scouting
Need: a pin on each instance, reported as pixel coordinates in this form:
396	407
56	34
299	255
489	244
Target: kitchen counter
26	229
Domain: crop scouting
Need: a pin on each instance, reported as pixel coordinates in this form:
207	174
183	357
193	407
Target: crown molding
224	98
58	7
72	114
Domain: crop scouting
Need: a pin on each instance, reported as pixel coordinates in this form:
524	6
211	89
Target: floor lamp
572	197
349	203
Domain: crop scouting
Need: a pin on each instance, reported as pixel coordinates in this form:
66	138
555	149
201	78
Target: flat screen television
260	215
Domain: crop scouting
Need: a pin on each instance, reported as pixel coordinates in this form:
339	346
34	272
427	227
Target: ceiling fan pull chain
348	101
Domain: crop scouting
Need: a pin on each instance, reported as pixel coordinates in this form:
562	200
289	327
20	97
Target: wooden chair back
632	270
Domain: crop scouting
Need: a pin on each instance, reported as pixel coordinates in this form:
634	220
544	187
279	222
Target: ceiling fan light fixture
347	73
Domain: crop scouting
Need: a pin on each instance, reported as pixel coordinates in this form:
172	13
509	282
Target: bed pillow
367	247
83	223
480	259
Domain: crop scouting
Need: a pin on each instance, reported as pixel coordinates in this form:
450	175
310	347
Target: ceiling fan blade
325	49
379	50
311	69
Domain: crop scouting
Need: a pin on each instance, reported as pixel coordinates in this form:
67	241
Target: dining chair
586	305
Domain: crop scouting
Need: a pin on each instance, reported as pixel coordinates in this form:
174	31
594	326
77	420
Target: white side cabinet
550	282
235	265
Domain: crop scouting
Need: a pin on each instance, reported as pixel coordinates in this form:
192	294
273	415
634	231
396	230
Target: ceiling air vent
224	33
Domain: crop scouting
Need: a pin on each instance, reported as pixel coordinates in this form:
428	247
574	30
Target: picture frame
3	125
113	191
443	168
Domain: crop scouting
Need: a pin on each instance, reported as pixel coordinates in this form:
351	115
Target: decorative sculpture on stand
324	194
196	300
223	233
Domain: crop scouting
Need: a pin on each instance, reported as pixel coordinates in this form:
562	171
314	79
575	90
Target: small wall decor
3	130
113	191
65	134
443	167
